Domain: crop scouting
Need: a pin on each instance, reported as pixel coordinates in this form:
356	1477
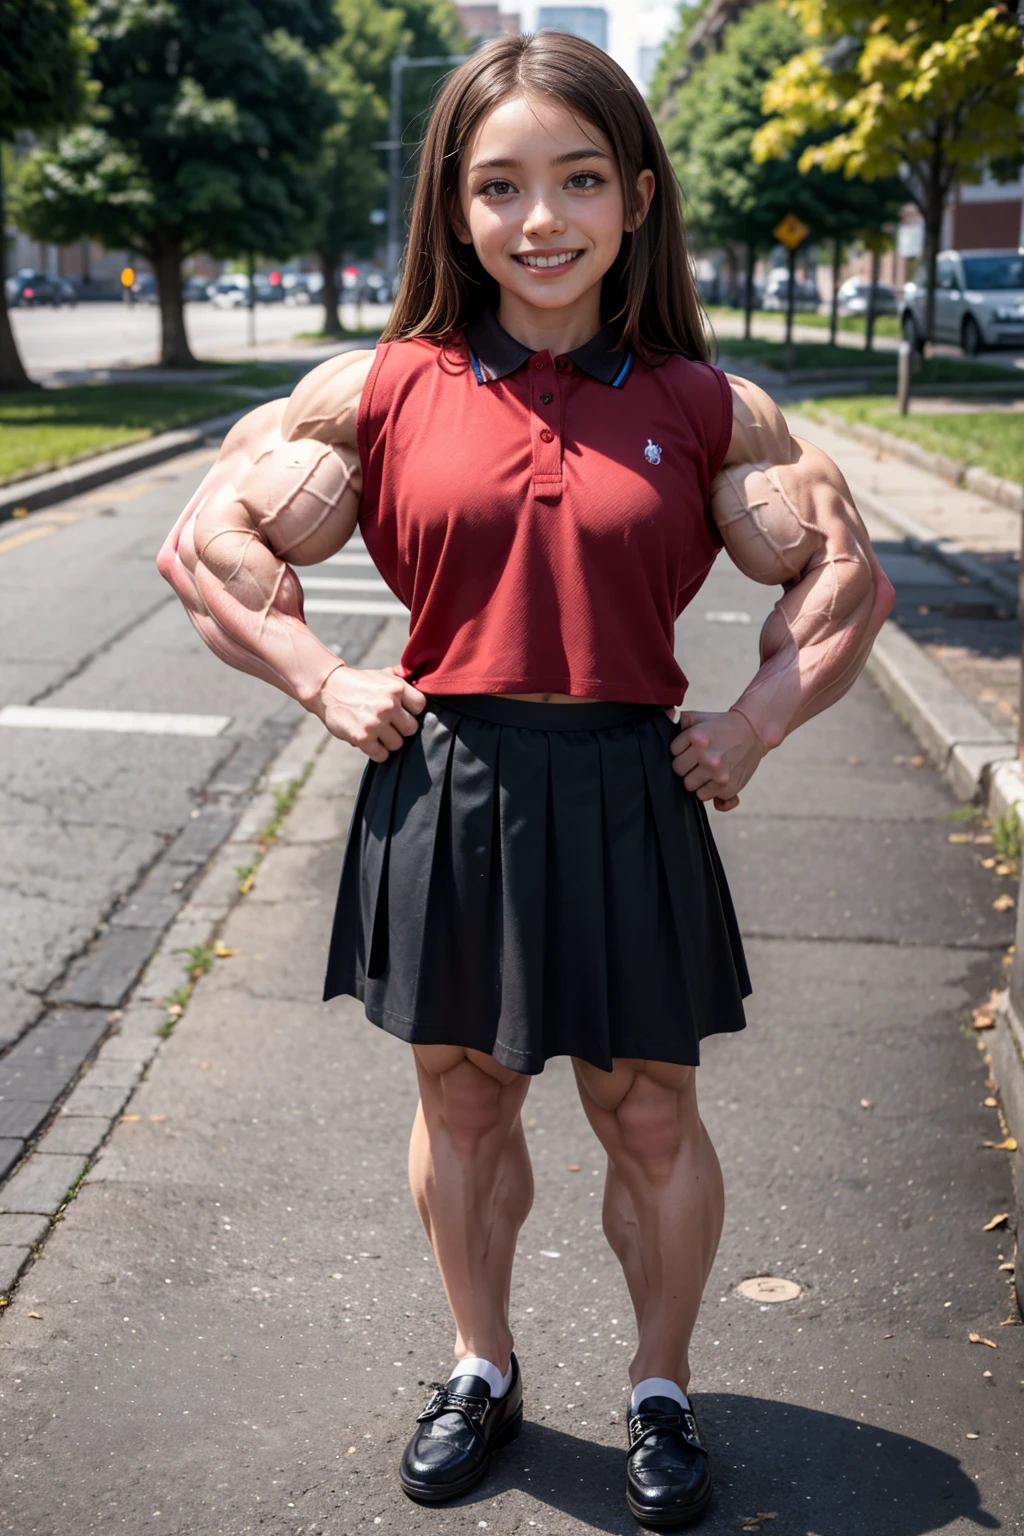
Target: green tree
357	70
927	90
734	201
209	121
43	50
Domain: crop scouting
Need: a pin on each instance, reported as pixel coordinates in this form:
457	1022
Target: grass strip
885	325
992	439
818	355
44	429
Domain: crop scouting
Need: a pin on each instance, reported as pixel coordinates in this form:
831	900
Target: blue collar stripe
476	368
623	373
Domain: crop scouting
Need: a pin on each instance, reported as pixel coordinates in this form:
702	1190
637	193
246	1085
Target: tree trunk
837	264
174	348
935	207
12	369
869	317
329	268
748	289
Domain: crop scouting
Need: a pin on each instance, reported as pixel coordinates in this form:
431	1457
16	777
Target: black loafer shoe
668	1483
457	1431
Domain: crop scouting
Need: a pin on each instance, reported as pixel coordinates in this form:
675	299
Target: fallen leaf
1009	1267
888	1335
175	1011
997	1221
130	1117
1002	903
1010	1322
983	1019
1006	869
574	1167
988	863
959	837
971	1435
158	1117
223	953
991	1103
35	1314
977	1338
1009	1145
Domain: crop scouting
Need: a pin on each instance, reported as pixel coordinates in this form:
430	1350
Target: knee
655	1123
472	1106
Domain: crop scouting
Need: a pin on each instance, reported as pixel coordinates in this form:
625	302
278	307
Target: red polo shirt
545	520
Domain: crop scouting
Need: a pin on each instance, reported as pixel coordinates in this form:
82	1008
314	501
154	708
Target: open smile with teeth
560	259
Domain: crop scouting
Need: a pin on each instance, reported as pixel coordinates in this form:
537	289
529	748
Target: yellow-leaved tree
927	90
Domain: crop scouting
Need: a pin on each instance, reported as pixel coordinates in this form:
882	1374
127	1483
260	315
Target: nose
543	220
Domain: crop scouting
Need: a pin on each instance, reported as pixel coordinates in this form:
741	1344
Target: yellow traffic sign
791	231
127	276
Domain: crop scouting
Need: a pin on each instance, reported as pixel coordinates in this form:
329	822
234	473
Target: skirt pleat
533	881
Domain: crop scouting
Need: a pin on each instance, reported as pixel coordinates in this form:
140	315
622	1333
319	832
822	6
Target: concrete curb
49	1175
919	537
1006	493
61	484
1006	1053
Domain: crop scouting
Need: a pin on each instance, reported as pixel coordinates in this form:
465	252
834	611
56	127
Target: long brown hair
649	290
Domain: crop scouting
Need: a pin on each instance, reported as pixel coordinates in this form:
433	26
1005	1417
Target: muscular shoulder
325	404
759	431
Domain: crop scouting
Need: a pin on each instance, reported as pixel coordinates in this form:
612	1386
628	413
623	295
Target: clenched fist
372	710
715	755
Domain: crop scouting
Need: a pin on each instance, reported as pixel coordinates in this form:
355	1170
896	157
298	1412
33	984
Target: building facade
589	21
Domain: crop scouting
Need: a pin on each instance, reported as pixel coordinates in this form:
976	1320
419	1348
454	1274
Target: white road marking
40	717
348	559
355	605
726	616
343	584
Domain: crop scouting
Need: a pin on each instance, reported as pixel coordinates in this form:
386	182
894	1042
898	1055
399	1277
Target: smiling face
542	202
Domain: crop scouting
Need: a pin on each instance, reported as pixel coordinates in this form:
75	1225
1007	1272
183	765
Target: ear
460	228
644	192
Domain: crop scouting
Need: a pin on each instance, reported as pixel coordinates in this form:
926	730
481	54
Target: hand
371	710
715	755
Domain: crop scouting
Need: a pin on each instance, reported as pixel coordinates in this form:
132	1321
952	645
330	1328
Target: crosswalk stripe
348	559
44	718
343	584
355	605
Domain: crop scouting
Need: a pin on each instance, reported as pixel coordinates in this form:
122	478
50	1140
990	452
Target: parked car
144	289
195	290
776	292
375	289
230	290
302	287
28	289
852	298
979	300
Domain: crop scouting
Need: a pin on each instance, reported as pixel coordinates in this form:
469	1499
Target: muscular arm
285	488
787	517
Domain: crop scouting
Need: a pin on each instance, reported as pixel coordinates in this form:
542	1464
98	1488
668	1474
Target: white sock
657	1386
473	1365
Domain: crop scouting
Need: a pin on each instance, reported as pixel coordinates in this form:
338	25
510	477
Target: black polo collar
493	353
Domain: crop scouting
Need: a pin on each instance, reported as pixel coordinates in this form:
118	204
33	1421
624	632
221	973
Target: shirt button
538	362
547	436
546	399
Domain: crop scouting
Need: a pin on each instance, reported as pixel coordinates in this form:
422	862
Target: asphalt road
105	828
238	1312
57	344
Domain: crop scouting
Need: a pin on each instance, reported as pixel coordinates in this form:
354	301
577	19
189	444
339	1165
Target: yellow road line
25	538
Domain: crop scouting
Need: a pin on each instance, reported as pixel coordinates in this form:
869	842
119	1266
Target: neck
551	330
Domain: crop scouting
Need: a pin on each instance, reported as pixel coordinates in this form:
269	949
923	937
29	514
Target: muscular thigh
436	1060
654	1079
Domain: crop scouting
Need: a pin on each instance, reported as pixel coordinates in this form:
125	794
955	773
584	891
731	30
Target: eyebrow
572	154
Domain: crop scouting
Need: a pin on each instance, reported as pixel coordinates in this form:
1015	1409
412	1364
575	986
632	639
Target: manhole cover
769	1288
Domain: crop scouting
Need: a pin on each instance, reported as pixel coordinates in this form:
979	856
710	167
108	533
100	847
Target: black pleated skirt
533	880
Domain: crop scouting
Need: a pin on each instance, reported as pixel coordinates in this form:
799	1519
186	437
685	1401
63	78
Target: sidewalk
230	1329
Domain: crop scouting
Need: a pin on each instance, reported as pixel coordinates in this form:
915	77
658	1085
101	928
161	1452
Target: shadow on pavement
817	1473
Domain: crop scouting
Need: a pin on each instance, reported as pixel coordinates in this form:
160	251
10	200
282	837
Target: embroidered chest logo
652	453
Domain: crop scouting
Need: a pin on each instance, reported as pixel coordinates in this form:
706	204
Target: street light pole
393	145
